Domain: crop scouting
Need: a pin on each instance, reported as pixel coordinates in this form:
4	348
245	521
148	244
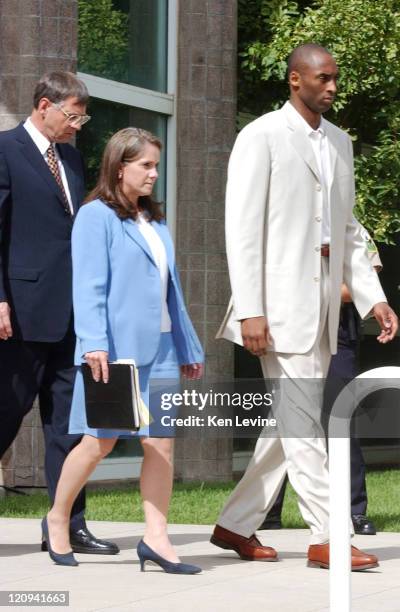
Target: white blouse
157	249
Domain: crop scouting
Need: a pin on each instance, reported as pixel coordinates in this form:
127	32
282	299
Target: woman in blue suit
128	304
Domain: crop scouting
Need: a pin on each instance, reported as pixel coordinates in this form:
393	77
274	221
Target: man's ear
44	104
294	79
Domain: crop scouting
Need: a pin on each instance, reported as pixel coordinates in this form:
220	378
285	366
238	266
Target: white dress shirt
157	249
43	144
320	145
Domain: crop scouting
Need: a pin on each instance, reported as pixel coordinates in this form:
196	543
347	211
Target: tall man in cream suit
291	242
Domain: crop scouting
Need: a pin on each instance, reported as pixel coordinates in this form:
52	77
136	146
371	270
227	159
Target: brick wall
206	129
41	35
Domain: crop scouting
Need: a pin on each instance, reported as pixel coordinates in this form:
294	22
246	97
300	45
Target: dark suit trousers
46	369
343	368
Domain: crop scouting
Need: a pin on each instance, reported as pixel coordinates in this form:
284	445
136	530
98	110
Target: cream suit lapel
301	142
335	149
334	146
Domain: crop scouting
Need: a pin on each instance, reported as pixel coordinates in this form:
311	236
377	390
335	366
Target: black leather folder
113	405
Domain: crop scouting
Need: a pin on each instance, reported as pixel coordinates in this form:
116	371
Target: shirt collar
309	130
38	138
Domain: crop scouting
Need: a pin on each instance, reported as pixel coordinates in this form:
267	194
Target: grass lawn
199	503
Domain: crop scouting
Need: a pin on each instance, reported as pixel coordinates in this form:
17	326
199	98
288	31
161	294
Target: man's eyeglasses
73	118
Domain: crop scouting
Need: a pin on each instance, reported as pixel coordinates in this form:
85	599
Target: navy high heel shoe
145	553
60	559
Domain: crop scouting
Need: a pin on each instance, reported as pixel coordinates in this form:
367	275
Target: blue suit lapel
133	232
71	178
163	232
37	161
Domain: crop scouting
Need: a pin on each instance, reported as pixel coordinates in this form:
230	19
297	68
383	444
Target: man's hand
98	362
387	320
255	334
5	322
345	295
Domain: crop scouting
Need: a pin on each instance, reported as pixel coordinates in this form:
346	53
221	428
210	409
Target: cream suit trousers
304	459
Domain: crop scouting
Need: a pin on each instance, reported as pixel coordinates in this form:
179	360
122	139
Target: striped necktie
54	169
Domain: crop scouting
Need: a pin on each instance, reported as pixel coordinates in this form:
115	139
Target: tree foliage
103	39
102	51
364	37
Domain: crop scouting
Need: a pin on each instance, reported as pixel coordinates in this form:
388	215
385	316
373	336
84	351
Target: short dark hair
57	86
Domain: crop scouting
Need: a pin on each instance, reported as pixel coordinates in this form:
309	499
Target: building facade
168	66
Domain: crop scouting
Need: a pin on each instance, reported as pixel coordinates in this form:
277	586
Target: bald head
312	79
307	56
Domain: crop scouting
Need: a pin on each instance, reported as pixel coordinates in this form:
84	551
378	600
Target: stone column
207	56
36	36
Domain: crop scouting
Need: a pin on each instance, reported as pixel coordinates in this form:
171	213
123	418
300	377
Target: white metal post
339	478
339	524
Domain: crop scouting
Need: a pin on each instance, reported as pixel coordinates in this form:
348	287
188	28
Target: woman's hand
192	370
98	362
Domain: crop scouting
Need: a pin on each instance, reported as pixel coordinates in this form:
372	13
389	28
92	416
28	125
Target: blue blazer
35	237
117	290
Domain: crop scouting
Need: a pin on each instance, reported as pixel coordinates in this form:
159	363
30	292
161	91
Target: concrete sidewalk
226	583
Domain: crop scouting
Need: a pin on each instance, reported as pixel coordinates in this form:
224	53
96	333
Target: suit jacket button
318	187
318	219
316	278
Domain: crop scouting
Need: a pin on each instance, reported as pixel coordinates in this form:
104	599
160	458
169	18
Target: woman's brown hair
123	147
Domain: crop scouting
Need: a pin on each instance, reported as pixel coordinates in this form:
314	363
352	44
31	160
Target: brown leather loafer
249	549
318	556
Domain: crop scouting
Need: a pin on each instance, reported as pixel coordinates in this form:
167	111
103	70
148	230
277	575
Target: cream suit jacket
274	204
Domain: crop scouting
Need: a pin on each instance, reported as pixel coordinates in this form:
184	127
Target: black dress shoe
82	541
362	525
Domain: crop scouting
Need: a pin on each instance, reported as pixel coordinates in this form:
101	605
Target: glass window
108	118
127	447
125	40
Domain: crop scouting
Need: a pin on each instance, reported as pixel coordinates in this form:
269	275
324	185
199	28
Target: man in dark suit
41	188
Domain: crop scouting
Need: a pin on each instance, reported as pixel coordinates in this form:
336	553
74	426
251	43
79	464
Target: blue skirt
155	379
